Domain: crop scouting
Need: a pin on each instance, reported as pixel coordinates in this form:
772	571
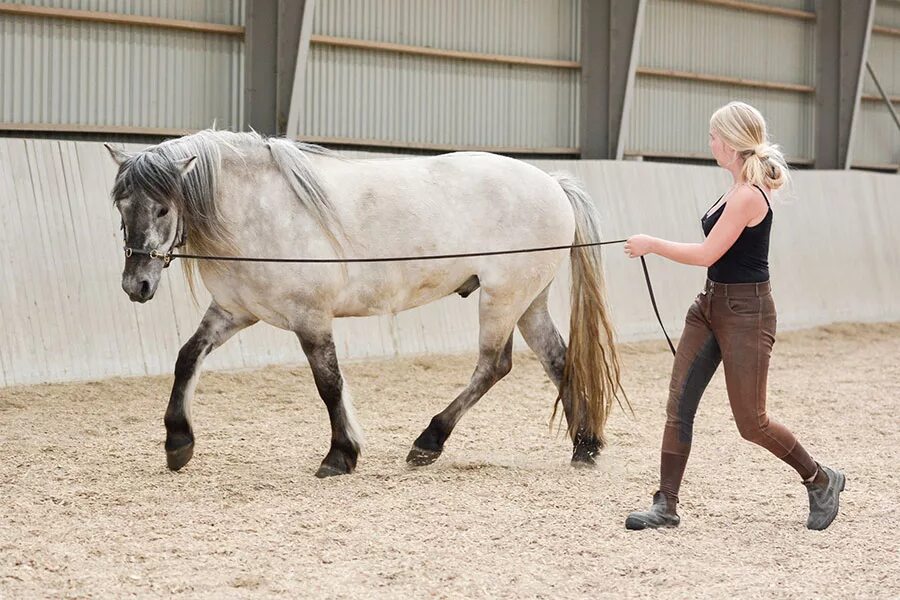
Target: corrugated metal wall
672	116
533	28
83	75
390	97
76	73
877	140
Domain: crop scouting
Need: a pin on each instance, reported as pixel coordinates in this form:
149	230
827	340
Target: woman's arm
741	209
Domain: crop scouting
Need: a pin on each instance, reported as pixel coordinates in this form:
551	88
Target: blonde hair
743	128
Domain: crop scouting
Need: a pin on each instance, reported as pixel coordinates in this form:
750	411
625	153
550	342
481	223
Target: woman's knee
753	429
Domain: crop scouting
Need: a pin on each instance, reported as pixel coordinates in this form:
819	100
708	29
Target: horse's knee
489	373
503	366
557	364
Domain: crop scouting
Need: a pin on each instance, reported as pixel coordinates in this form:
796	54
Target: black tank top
747	261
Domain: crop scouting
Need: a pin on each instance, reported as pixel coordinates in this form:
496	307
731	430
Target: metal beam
291	19
610	43
884	96
295	107
273	37
259	65
844	28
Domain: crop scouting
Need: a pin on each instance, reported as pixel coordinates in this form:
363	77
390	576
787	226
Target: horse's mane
195	195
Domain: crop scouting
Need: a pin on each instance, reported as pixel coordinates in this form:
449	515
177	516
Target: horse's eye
162	212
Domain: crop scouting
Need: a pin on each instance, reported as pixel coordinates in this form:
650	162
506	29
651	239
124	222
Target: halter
166	257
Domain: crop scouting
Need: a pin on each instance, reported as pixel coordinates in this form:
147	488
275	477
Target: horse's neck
259	207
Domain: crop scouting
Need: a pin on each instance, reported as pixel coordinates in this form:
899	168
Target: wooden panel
751	83
118	19
326	40
63	315
889	31
97	171
21	342
778	11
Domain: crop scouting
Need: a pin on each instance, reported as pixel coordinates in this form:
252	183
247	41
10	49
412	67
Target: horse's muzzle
139	289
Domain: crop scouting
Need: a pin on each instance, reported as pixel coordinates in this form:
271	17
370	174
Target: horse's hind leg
345	435
216	327
541	335
497	320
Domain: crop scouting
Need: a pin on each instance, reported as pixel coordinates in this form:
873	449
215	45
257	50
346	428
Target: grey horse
240	194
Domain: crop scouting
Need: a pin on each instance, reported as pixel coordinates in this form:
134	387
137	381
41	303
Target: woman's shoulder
749	195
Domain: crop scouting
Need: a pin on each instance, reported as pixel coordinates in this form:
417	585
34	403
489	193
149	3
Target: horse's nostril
145	288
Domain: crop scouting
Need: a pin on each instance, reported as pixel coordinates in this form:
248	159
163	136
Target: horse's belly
393	294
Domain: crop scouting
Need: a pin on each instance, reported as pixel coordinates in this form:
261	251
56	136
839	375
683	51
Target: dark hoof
179	457
330	471
585	451
419	457
584	459
584	462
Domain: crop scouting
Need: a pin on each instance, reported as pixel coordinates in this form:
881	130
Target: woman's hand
639	245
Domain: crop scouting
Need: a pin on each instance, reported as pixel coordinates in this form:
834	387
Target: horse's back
457	188
464	202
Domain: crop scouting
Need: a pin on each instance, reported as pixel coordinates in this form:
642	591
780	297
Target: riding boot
661	514
824	496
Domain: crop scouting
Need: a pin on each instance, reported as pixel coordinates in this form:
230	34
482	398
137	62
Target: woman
732	320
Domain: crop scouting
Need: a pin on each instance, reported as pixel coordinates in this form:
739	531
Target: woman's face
723	153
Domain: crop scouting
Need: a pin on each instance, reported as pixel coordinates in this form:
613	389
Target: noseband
166	257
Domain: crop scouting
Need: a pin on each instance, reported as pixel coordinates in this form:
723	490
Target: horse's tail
591	374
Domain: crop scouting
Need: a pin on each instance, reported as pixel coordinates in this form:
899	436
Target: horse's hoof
330	471
419	457
584	460
175	459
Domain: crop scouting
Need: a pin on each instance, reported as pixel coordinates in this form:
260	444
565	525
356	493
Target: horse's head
148	193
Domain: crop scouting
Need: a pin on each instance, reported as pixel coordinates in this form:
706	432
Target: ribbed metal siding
887	13
877	140
884	50
389	97
533	28
884	56
55	71
398	98
672	116
714	40
223	12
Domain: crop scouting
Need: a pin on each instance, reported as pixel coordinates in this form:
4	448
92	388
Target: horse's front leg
216	327
346	438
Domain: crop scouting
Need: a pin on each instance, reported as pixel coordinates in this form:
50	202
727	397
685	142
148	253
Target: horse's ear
186	165
119	156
